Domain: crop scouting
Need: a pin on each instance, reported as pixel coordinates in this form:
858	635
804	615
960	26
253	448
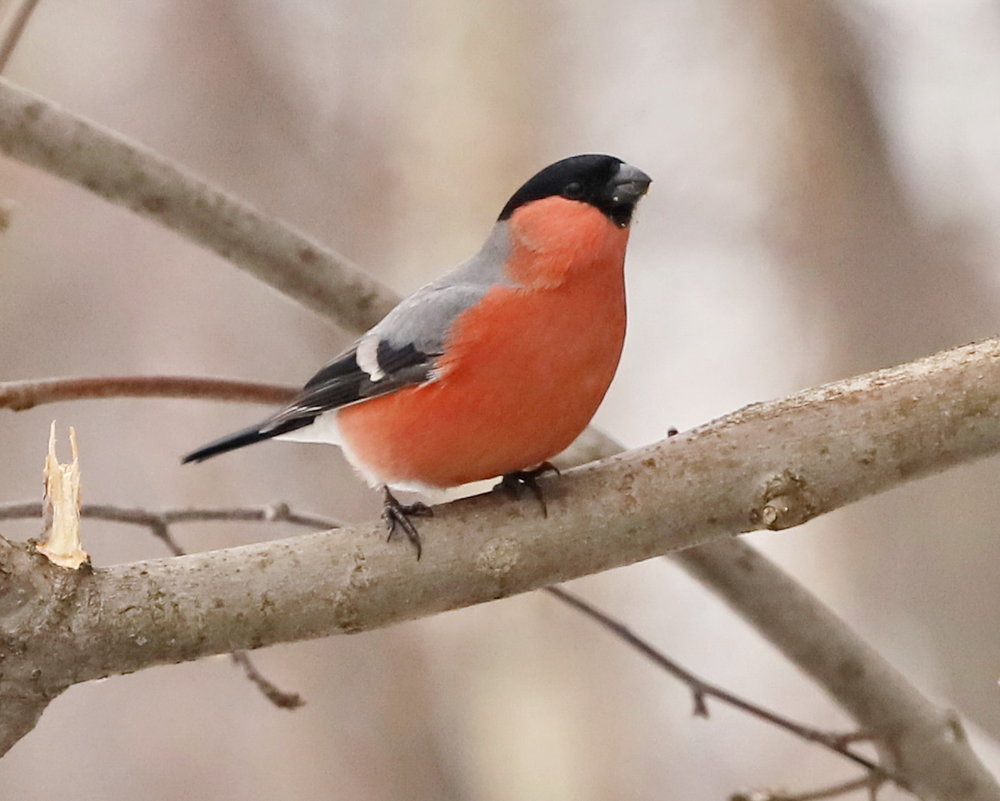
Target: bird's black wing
343	381
340	383
400	351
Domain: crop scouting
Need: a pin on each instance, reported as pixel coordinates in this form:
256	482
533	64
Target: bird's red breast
523	370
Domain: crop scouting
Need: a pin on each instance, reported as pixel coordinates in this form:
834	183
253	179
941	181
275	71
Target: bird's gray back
425	317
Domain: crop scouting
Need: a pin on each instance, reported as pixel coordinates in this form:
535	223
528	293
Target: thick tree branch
160	521
38	132
872	433
159	524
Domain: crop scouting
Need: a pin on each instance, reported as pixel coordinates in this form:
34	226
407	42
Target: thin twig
701	689
280	698
21	395
13	26
159	524
279	512
870	783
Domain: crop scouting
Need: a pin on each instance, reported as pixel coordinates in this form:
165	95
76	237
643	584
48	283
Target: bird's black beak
624	190
629	185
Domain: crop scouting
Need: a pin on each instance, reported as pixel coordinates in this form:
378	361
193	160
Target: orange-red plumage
524	369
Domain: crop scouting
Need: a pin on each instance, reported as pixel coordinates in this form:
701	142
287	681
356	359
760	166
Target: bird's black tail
248	436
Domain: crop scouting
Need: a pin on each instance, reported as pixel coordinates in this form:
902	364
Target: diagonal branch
12	25
38	132
870	783
701	690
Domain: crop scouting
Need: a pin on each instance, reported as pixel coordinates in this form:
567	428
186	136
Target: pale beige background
826	197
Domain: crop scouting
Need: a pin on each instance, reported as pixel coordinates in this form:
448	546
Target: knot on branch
786	502
499	556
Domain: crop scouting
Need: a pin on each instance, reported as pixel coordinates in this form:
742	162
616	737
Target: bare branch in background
38	132
870	783
702	690
159	522
280	698
21	395
12	25
911	734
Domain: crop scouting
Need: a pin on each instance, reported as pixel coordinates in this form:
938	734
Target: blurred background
827	181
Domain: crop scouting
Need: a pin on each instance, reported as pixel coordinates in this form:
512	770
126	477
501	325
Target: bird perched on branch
492	369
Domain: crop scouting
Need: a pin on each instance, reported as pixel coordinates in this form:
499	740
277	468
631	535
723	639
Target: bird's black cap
605	182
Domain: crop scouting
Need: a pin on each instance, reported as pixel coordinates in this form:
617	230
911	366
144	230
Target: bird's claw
513	483
396	514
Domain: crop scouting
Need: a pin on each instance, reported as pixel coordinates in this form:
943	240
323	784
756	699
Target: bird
492	369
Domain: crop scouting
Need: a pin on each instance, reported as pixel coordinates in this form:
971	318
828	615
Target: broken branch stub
61	508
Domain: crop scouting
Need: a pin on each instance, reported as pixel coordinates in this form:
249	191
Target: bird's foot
397	515
513	483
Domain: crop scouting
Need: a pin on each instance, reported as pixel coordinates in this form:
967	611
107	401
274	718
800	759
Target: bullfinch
492	369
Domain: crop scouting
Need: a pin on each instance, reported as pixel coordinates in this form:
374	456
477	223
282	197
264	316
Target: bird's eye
573	190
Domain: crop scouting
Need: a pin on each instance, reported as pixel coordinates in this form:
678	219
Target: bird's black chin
624	191
621	214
